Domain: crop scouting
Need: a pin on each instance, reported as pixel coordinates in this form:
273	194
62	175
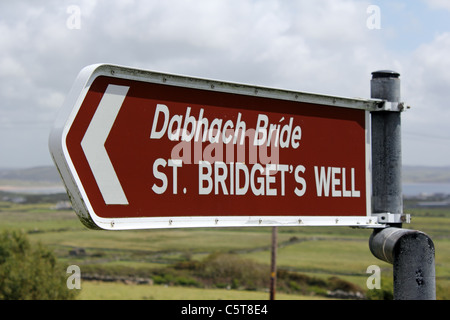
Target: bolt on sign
138	150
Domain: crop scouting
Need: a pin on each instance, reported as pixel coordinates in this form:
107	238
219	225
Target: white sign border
80	201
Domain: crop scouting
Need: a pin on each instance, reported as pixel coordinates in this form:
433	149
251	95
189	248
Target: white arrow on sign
93	145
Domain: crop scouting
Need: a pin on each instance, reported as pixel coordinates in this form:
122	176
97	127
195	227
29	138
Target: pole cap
385	74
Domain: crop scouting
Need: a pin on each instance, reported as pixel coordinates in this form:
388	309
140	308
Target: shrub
293	282
336	283
30	272
234	271
386	292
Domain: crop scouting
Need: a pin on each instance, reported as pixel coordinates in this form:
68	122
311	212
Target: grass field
319	252
92	290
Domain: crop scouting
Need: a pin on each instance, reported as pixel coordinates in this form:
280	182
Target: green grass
321	252
325	256
118	291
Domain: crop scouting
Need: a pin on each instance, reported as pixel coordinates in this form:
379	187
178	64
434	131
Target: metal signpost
139	149
411	252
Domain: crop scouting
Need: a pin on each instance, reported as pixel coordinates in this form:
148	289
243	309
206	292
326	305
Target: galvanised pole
386	146
410	252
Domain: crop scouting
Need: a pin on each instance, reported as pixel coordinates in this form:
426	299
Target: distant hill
49	174
422	174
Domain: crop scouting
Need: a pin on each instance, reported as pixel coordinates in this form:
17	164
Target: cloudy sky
322	46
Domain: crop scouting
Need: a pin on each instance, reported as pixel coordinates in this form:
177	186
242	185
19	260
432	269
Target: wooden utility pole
273	264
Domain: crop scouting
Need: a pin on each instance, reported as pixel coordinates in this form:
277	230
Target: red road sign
139	149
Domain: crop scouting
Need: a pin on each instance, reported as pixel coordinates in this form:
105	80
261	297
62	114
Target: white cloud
320	46
426	84
266	42
439	4
428	77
